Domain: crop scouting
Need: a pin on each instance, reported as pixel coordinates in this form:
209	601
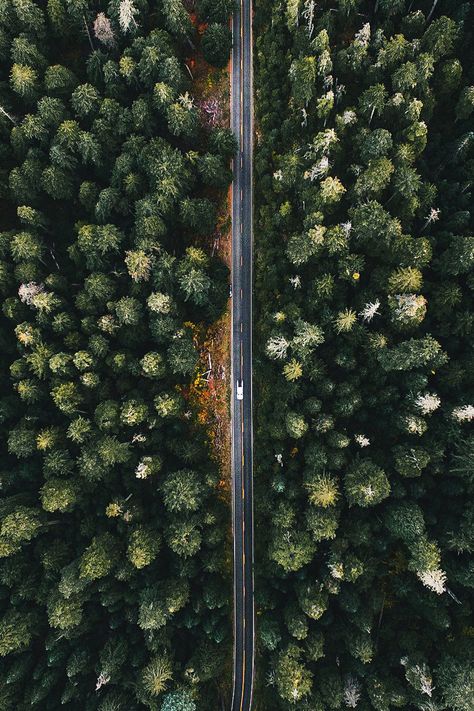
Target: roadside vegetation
114	571
364	378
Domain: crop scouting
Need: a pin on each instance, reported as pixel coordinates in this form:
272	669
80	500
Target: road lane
242	425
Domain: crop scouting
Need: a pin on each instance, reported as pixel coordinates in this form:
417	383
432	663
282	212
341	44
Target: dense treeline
114	590
365	368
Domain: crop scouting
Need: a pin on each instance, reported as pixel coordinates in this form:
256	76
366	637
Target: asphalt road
242	433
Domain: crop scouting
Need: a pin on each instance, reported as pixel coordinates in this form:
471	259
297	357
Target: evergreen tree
361	320
216	44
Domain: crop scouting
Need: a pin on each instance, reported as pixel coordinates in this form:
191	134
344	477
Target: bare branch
88	32
433	8
2	111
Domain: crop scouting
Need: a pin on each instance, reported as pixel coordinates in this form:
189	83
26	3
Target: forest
114	572
115	514
364	368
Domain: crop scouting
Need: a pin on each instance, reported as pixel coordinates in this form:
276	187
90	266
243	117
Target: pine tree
99	557
16	631
216	44
143	547
182	491
178	701
155	676
293	679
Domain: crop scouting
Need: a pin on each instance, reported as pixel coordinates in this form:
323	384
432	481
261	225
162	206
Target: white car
240	389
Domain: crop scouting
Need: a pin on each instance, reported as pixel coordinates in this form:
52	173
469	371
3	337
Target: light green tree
59	495
291	549
16	631
143	546
64	614
99	557
303	73
293	679
182	491
184	537
155	676
24	81
366	484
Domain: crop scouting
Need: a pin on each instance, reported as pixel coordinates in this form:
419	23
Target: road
242	432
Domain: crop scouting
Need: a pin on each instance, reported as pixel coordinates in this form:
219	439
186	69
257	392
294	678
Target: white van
240	389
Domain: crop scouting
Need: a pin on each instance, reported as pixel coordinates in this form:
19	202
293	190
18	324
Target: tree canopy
364	365
112	531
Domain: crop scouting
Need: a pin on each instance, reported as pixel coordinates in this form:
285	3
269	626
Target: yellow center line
243	682
244	59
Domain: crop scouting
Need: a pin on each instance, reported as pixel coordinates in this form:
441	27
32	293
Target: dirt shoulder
210	392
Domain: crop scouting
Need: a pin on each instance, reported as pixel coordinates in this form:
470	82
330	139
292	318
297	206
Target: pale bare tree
103	30
127	12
